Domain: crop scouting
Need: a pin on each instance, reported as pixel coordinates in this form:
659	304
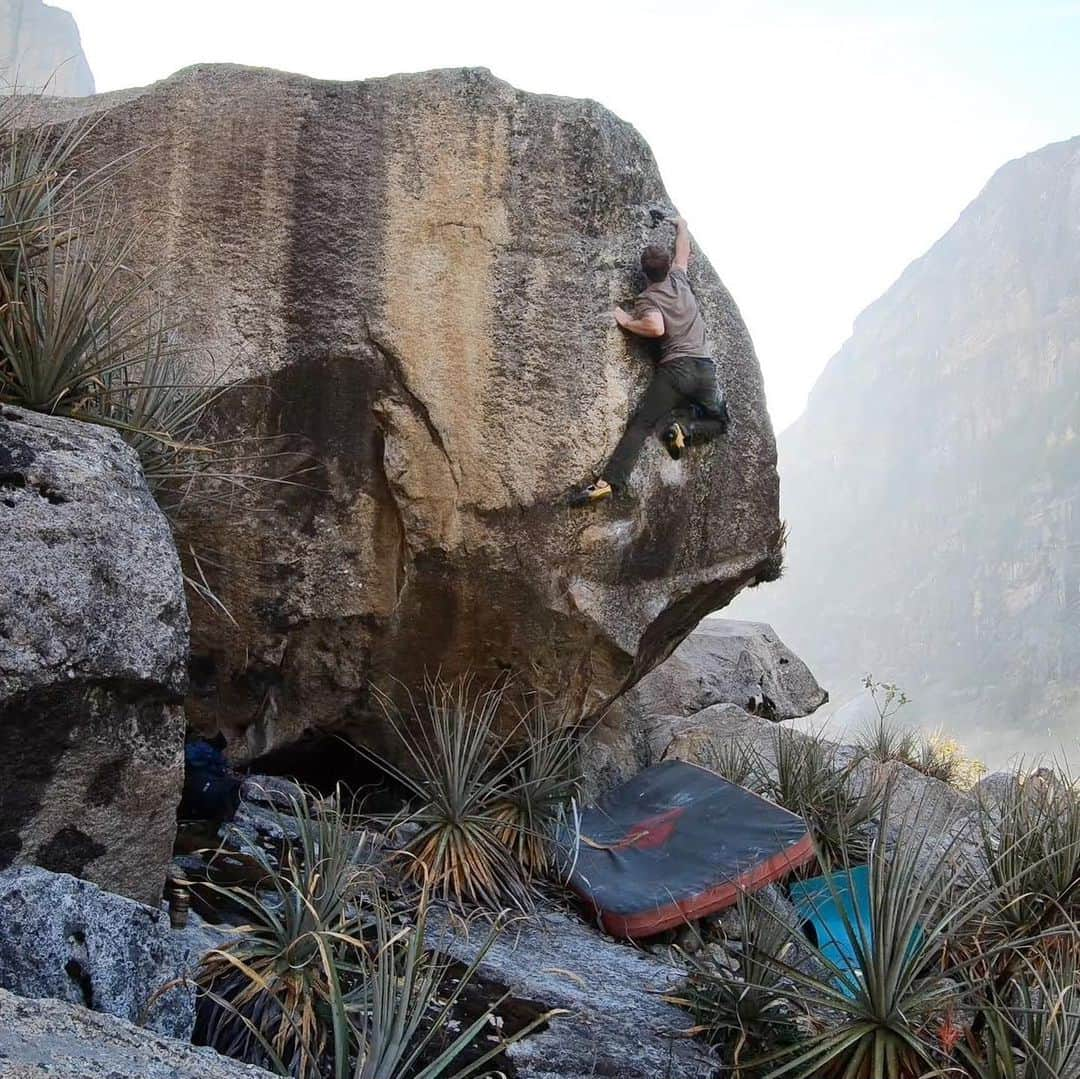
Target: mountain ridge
937	453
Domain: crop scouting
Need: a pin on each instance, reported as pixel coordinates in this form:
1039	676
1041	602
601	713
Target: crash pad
677	842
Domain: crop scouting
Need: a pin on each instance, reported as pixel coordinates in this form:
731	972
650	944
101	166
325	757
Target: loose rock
66	938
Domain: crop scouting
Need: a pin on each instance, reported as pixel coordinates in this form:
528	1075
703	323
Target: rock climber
684	394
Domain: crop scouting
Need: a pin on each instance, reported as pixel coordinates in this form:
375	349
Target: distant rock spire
40	50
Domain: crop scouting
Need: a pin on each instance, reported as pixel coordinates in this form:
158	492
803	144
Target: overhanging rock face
412	280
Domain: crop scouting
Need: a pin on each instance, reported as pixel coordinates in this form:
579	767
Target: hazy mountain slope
40	49
932	486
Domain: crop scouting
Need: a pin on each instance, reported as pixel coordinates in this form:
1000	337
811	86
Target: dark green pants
683	390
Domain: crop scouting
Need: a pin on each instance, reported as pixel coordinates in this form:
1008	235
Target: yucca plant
744	1014
1033	1022
459	772
807	776
889	1014
160	404
330	976
544	777
268	995
37	184
1030	840
71	317
402	1009
733	759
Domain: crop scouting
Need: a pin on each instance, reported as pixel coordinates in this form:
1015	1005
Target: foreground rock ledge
412	280
51	1039
93	650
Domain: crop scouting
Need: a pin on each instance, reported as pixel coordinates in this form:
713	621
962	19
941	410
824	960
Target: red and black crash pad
678	842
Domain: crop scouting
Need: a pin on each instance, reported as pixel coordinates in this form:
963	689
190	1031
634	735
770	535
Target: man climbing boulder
683	396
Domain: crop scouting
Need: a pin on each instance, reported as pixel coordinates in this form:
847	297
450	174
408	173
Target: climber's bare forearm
652	325
682	245
642	328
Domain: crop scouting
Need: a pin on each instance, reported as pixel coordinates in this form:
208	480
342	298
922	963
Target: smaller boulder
743	665
994	789
730	662
93	658
65	938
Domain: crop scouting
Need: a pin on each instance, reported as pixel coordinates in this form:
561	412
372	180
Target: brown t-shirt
683	325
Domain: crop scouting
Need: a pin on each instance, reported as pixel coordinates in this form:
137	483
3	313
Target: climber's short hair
656	262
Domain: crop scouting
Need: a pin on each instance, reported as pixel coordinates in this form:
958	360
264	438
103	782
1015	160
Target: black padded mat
677	842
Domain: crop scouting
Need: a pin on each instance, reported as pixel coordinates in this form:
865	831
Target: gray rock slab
66	938
54	1039
618	1024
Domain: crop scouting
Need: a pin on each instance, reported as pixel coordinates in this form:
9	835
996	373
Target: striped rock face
410	282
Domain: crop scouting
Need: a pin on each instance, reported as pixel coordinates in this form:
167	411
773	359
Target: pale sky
815	148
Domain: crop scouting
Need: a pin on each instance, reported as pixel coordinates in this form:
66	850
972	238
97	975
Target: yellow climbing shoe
595	492
675	441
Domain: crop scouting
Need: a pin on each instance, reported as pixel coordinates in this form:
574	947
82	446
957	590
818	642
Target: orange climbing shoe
595	492
675	441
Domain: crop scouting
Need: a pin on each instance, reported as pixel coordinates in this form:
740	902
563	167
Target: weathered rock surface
618	1024
728	662
939	454
723	662
65	938
414	276
93	650
698	738
40	49
53	1039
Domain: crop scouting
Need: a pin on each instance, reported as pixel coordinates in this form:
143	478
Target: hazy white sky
816	148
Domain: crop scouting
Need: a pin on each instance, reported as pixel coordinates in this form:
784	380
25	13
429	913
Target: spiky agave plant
837	801
268	995
734	760
37	183
1030	840
71	309
1033	1021
543	776
880	1016
744	1014
459	771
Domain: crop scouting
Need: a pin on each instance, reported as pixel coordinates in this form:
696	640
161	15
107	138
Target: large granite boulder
66	938
53	1039
93	649
40	49
412	279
